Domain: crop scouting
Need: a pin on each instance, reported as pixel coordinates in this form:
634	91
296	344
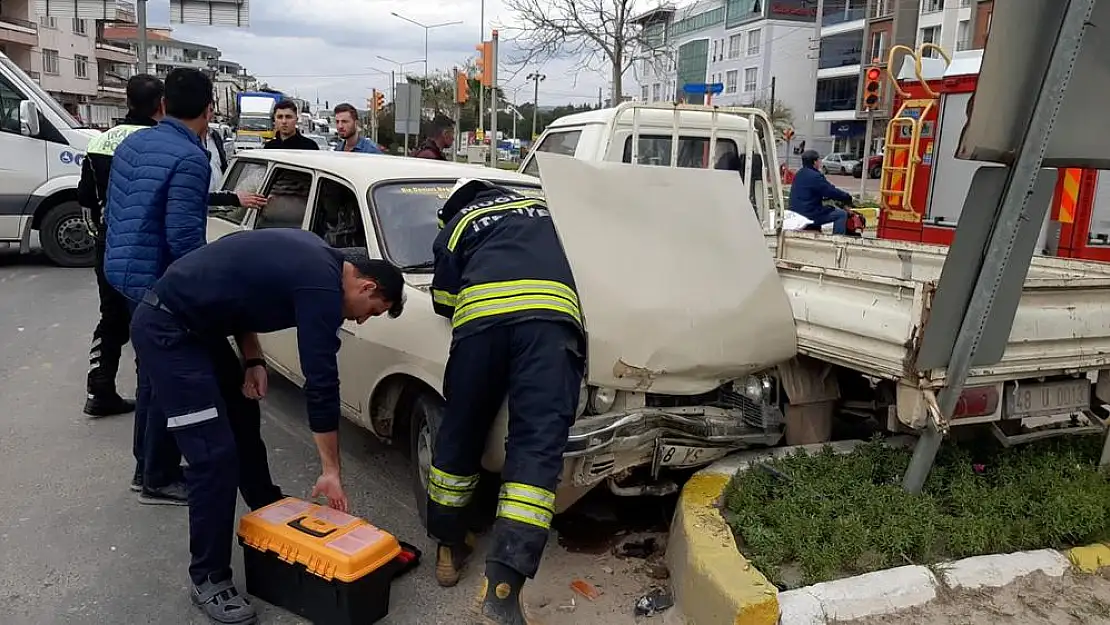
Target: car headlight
758	387
602	399
583	400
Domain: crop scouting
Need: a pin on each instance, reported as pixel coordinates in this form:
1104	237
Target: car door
337	216
22	162
288	190
243	175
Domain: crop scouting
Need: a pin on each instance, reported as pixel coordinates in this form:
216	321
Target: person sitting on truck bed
811	189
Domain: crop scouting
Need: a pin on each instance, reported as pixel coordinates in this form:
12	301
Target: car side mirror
28	119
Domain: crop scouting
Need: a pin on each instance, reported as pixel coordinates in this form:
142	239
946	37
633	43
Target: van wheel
424	422
65	239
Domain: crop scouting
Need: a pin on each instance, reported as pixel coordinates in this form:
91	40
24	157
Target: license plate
680	456
1049	398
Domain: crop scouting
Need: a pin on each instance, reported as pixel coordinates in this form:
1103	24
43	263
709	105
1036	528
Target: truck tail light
977	401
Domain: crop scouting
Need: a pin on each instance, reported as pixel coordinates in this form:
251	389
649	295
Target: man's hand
255	382
251	200
329	485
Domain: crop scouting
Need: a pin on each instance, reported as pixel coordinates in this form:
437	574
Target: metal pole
812	129
140	10
1011	212
493	103
481	89
535	77
426	31
866	152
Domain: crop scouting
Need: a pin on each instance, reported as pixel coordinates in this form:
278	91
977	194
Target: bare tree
599	32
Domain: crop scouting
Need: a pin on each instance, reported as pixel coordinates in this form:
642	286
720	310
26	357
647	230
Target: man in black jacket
285	127
144	104
441	137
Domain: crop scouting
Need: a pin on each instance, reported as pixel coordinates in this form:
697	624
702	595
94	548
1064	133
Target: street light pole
140	16
535	77
427	29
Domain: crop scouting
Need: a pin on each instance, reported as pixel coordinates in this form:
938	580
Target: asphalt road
77	547
851	185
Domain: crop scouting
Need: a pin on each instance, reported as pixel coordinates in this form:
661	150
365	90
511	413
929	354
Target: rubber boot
451	560
500	601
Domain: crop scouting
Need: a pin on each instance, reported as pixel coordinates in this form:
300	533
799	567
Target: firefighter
502	278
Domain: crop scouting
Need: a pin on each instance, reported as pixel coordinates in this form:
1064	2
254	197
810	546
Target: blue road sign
702	87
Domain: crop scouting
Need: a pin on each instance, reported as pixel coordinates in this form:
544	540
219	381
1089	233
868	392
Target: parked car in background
839	163
248	142
321	141
874	167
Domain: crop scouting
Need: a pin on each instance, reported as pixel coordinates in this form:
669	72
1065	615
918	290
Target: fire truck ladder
900	160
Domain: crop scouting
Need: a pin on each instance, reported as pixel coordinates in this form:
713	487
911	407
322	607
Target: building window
930	35
841	50
644	93
837	94
81	66
48	22
963	35
716	50
751	79
878	47
656	92
732	78
79	27
734	43
50	61
754	41
932	6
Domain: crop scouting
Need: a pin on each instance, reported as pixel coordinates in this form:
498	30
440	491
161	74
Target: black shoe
137	483
500	601
170	495
108	405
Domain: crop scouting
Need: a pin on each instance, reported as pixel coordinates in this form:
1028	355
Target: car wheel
875	172
843	171
424	422
65	238
824	171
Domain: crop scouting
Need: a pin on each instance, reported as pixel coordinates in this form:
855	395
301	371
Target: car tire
65	238
424	422
875	172
824	171
843	171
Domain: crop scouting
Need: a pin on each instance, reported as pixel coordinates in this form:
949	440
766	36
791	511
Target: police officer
503	279
144	109
240	285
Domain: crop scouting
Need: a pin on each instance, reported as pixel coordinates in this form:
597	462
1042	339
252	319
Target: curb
714	584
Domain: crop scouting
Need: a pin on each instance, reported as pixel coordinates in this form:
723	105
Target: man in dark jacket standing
144	109
503	280
442	138
285	126
157	211
809	191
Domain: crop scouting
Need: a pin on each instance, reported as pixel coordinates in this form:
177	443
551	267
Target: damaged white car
683	309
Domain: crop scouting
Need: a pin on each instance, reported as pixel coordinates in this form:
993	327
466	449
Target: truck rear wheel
64	237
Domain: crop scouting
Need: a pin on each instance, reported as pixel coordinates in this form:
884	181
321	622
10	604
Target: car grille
753	414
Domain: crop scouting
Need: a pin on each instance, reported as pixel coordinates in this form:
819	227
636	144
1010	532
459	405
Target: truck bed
862	304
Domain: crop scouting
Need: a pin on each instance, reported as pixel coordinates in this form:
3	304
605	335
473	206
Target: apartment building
70	58
741	44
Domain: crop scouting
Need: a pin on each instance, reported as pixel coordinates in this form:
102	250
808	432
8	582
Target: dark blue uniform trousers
186	391
539	365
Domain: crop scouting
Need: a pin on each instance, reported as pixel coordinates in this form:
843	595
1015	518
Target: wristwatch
254	362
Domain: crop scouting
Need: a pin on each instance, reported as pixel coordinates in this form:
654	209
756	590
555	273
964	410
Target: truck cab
41	150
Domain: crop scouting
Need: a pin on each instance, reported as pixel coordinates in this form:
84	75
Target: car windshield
26	82
248	139
255	123
405	213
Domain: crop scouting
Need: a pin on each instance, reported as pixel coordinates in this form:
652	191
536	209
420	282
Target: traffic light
379	101
485	63
872	86
462	87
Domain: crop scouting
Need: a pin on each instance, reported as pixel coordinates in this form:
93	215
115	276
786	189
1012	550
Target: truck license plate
1049	398
681	456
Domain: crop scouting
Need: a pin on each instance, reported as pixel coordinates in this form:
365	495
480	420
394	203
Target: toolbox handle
300	527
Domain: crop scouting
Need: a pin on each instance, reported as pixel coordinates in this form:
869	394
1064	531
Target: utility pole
140	11
812	126
481	88
535	77
493	102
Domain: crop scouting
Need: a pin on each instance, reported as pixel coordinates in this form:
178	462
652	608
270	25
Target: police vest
106	143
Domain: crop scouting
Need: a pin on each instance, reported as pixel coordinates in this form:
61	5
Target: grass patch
805	519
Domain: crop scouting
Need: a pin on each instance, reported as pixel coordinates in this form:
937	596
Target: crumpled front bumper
640	429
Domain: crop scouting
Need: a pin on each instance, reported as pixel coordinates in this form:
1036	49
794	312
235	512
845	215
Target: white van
41	151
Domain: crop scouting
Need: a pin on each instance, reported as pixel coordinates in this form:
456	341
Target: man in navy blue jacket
243	284
811	189
156	212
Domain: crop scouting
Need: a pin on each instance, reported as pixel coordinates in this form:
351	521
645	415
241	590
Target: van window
287	200
10	98
693	152
244	176
560	142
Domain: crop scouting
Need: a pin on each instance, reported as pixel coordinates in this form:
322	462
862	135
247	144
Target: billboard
792	10
210	12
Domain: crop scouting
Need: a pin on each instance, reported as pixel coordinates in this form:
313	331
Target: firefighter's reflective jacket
499	261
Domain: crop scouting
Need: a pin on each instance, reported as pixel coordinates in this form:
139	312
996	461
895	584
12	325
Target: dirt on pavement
1036	599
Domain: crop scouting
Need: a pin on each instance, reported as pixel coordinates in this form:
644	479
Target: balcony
842	15
18	31
965	44
110	86
882	8
35	76
114	52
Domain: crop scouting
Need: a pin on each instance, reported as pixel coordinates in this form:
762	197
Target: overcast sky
330	47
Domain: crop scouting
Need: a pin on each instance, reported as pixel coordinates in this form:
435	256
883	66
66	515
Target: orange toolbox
325	565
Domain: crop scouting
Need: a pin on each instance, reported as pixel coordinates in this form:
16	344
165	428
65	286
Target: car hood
679	291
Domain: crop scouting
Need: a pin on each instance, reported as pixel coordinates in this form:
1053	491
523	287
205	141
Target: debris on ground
642	547
654	602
